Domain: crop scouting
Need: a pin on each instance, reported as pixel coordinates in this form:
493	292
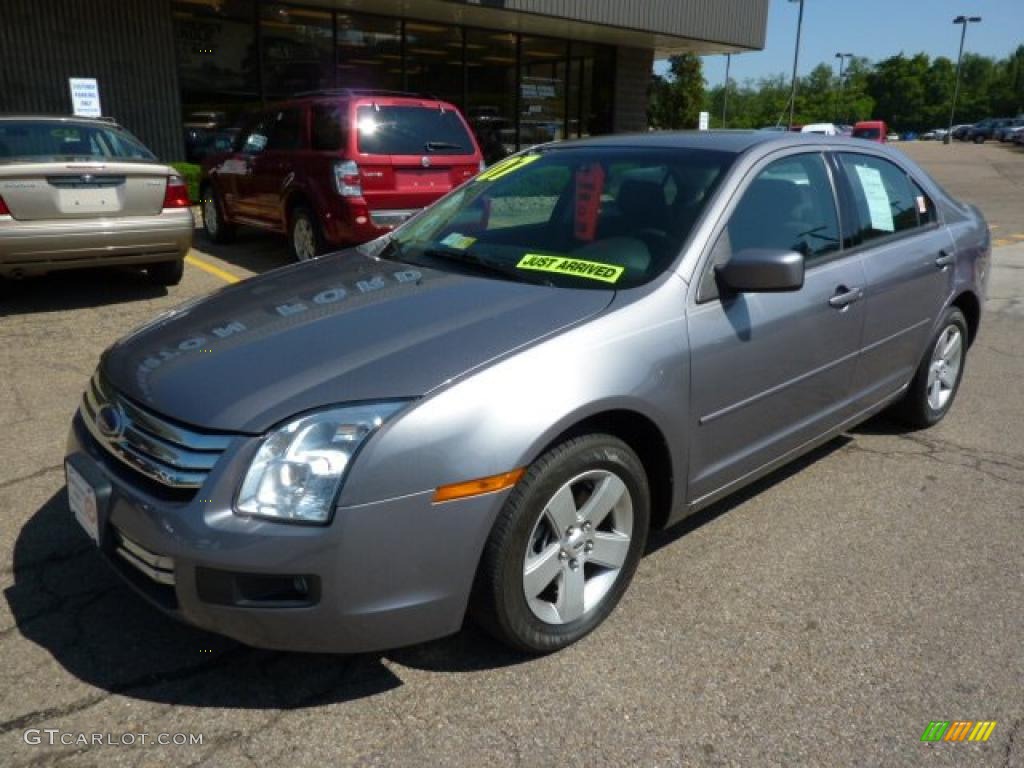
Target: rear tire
166	273
555	564
937	380
218	229
304	237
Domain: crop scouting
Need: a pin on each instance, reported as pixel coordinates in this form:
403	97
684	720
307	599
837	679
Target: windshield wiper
434	146
481	265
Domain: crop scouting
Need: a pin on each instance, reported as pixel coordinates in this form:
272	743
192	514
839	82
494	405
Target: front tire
937	379
565	546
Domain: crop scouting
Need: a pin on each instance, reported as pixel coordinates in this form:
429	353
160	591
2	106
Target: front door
772	371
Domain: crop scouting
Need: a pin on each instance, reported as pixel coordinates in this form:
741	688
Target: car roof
736	142
365	95
107	121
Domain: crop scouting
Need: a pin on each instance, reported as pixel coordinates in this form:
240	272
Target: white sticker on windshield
879	207
458	242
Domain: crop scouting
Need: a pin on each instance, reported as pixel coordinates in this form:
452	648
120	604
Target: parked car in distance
872	130
1018	137
200	129
986	129
825	129
908	136
844	130
1005	132
489	408
935	134
80	192
1010	134
960	131
336	168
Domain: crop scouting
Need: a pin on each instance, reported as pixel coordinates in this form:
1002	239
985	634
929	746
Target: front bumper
381	575
36	247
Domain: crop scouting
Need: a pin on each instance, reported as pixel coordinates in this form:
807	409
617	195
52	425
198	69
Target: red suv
337	168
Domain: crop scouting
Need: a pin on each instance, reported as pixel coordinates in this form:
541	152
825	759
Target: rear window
46	140
411	131
867	133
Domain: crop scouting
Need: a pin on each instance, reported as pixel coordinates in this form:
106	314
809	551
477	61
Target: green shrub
189	172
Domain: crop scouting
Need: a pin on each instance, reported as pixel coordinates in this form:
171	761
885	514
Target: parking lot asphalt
822	617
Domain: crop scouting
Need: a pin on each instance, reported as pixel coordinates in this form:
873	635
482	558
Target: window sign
879	208
85	97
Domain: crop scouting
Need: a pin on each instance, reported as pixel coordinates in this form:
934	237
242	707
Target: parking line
216	271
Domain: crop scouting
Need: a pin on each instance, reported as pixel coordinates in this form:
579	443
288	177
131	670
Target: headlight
298	470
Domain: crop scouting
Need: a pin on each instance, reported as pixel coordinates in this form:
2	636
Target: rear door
772	371
410	153
907	255
271	169
57	170
235	173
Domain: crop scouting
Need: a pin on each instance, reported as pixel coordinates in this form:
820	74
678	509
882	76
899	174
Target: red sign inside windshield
589	186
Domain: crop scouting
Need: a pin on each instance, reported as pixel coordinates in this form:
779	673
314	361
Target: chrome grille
168	453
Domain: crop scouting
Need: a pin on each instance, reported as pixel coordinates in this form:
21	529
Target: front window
49	140
576	218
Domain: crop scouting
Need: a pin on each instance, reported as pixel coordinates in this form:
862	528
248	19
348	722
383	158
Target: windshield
867	133
47	140
412	131
603	218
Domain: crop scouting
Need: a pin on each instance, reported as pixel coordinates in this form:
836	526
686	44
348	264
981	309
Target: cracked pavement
821	617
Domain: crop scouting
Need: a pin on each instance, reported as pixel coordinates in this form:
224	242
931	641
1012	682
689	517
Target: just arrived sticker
563	265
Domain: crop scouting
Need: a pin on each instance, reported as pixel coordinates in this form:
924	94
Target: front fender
502	417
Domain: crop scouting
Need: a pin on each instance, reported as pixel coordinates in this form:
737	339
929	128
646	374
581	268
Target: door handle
845	297
944	259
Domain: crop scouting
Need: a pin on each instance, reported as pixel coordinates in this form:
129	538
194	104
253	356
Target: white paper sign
879	207
704	118
85	97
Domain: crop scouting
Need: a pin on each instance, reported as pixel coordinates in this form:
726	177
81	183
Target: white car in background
826	129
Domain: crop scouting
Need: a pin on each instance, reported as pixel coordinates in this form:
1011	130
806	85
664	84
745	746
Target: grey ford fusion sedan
486	411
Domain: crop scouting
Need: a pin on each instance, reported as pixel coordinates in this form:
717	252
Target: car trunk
69	190
410	155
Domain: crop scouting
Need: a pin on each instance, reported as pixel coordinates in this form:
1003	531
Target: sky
875	29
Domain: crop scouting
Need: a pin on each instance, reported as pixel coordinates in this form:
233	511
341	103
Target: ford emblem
110	421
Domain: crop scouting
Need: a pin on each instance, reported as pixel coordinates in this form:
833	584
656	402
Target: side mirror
762	270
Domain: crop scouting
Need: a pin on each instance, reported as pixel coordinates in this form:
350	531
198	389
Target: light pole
963	21
725	93
839	96
796	59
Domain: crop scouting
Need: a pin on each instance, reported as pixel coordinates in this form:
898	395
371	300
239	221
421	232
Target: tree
675	100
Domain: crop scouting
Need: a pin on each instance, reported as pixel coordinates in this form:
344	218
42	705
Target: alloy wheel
303	239
947	357
578	547
210	214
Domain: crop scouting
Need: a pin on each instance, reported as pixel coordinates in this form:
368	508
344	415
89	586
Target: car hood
342	328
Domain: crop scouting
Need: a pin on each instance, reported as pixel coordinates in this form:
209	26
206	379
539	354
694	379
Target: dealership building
539	69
